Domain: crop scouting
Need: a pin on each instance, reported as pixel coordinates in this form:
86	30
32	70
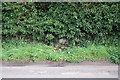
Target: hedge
49	21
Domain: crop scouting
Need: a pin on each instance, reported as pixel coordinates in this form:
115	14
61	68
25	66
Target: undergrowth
21	50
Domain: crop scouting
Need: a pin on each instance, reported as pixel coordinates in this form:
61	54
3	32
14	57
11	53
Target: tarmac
67	71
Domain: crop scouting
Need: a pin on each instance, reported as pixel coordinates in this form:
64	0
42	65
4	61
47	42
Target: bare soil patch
57	64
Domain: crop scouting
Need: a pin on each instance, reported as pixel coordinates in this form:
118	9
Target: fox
61	44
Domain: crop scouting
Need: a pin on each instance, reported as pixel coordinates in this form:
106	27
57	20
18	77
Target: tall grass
20	50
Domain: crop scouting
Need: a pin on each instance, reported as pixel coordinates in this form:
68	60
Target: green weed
34	51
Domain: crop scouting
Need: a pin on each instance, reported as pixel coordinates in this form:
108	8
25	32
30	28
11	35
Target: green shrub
77	22
114	54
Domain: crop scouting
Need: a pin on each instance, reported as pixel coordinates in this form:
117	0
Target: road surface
82	71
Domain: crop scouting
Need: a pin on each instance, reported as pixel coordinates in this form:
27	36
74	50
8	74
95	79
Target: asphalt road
83	71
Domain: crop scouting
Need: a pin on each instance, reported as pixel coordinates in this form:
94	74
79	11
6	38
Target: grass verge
20	50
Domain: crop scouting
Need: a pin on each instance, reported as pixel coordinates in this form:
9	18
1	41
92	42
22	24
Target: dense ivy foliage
48	22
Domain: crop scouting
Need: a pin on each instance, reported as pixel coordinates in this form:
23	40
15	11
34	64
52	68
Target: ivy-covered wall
49	21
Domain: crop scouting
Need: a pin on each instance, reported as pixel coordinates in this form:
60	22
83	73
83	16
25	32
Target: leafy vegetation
92	30
34	51
48	22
